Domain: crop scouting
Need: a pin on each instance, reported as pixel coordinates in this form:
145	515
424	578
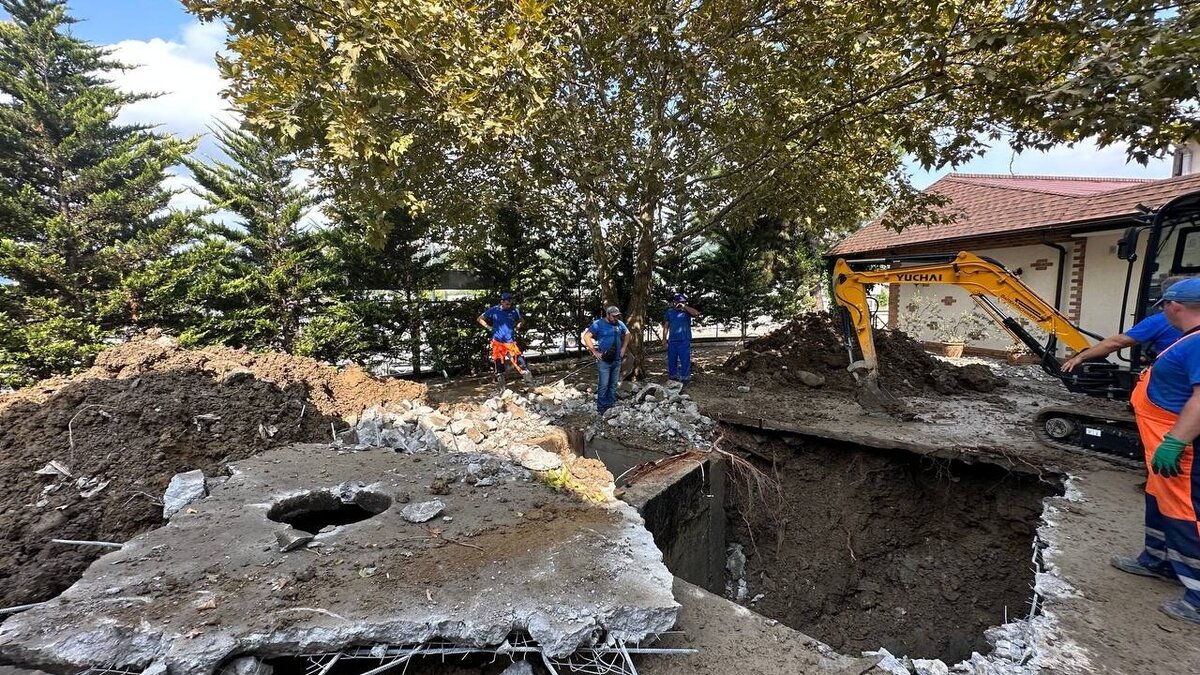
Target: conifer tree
265	267
83	208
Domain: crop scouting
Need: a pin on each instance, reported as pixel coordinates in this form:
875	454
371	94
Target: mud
863	549
148	409
813	343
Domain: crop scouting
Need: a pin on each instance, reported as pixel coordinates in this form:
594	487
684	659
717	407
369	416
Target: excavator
1172	247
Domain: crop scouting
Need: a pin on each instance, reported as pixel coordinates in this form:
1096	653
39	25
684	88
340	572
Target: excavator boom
983	279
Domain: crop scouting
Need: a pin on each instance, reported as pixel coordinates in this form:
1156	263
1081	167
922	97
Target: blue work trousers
606	389
679	361
1173	549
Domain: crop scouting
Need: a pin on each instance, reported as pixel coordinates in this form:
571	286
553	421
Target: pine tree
736	274
383	309
82	203
260	272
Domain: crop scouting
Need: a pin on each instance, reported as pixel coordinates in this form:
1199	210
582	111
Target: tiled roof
993	205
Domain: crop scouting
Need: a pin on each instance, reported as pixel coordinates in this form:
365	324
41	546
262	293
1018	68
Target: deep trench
864	548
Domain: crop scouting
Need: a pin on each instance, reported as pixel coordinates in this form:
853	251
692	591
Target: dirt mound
147	410
813	343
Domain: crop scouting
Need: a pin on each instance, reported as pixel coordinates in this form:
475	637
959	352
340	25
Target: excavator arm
984	279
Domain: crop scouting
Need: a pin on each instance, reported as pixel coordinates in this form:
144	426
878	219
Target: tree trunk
414	334
639	299
600	249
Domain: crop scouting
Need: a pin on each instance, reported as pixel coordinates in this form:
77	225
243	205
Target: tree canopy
659	121
83	210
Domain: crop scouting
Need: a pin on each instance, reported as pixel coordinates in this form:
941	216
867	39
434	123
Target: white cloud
184	73
1084	159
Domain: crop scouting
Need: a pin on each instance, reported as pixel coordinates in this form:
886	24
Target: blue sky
175	55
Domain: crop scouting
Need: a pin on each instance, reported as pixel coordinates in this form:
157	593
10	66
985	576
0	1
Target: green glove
1167	455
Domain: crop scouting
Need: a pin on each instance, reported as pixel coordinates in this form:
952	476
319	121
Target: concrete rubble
662	411
501	426
214	585
184	488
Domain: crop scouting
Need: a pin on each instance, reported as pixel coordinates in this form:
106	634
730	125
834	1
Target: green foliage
767	268
83	211
387	288
258	274
656	123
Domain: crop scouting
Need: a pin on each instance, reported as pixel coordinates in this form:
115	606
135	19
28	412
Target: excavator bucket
873	397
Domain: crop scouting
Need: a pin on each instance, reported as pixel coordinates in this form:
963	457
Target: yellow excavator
1172	248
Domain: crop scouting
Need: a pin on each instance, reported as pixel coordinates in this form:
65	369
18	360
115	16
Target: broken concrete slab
212	585
421	512
184	488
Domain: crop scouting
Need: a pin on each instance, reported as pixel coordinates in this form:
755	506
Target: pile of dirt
862	548
118	432
813	343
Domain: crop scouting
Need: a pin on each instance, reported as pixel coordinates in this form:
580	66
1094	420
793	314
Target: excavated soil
813	343
147	410
863	548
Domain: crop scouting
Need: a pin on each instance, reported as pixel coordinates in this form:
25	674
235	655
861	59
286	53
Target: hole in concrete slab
314	511
863	548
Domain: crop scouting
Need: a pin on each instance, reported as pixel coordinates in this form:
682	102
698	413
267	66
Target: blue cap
506	296
1187	290
680	297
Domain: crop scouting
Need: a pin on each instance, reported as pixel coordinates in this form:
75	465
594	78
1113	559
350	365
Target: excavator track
1111	435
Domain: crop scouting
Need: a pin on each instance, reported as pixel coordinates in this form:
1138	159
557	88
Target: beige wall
1028	258
1104	284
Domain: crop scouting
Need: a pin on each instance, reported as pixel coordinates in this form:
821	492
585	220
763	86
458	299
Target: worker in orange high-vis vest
1166	403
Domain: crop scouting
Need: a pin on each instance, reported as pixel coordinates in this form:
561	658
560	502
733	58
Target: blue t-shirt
1156	331
606	335
679	325
1174	374
504	322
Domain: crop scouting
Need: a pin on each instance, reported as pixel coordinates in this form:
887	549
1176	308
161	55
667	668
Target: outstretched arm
1099	350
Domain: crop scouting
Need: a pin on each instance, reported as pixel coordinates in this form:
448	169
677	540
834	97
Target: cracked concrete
213	583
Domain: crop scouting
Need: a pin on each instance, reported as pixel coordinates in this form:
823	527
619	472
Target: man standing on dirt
677	338
1166	403
505	320
1153	330
607	339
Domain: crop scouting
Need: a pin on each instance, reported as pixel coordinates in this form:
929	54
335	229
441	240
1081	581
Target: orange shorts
504	350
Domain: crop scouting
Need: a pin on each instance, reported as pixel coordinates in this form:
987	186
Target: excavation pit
864	548
317	510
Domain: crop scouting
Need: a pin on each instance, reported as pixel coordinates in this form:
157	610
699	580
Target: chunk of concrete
459	427
184	489
136	605
434	421
537	459
421	512
291	539
518	668
247	665
810	379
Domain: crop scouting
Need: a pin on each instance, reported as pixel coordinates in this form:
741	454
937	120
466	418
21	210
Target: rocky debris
662	411
423	511
517	556
291	539
146	411
184	488
246	665
518	668
537	459
811	347
735	574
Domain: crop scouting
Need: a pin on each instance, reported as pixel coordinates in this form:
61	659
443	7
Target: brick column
1075	298
893	306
